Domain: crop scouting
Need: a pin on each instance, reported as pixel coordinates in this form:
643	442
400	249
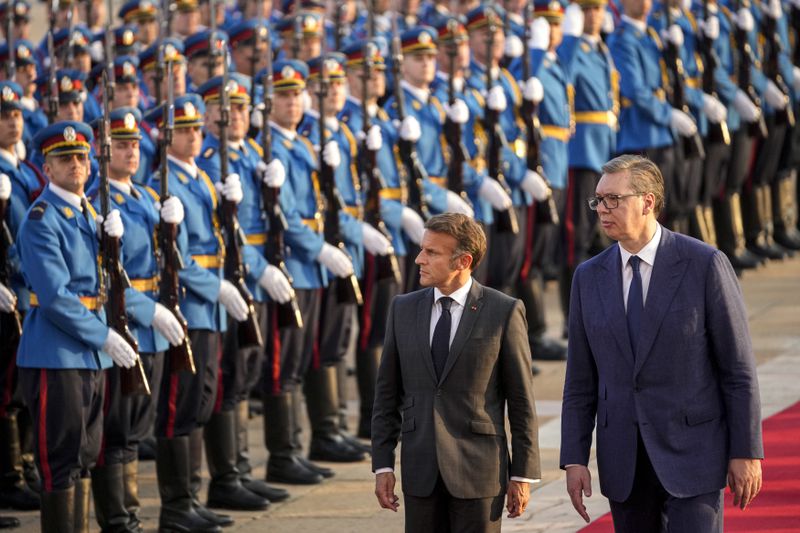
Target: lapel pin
474	307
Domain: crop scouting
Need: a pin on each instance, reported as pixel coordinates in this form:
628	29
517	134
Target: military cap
288	74
197	43
245	32
123	123
10	96
64	138
24	55
189	110
334	66
21	9
354	54
451	29
125	69
70	83
186	6
173	52
592	3
480	16
287	6
80	39
124	39
138	11
238	89
309	22
552	10
419	40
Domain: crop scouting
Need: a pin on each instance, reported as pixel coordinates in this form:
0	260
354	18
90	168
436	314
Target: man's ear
649	203
465	261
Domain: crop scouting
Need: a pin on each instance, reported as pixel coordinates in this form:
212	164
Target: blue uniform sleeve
626	58
194	277
392	212
255	261
139	307
435	196
304	242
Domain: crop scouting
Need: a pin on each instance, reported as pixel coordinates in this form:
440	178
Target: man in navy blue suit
660	356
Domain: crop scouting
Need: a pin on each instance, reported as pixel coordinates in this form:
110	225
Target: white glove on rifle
412	224
375	242
112	226
774	96
172	210
374	138
513	47
573	21
745	106
456	204
257	116
8	300
275	283
231	189
335	260
744	19
119	350
540	34
410	130
534	90
167	325
713	108
673	34
496	99
710	27
535	185
683	123
331	154
232	301
273	174
774	9
5	187
493	192
458	112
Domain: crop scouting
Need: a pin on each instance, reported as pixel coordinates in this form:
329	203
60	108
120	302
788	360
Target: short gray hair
468	234
643	175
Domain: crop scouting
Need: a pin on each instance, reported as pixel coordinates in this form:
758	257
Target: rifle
717	133
757	129
371	178
108	47
546	210
249	331
347	289
163	33
68	51
52	82
10	323
415	172
11	66
506	221
692	145
180	357
113	279
452	131
288	314
772	52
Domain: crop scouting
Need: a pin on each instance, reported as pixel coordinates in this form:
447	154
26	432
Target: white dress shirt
648	257
70	197
189	168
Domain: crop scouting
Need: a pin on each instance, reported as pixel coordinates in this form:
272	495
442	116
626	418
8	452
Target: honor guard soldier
124	40
187	400
186	19
243	39
65	342
20	23
199	55
73	49
25	76
173	53
308	259
128	418
264	281
144	14
301	35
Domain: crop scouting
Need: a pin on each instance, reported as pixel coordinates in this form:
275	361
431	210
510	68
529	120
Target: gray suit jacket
690	388
456	426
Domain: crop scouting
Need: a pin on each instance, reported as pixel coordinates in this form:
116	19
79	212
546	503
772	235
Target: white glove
774	9
167	325
683	123
154	133
710	27
335	260
608	23
8	300
458	112
97	51
746	108
232	301
535	185
331	154
275	283
410	130
534	90
774	96
673	34
119	350
456	204
796	78
573	21
713	108
496	100
412	224
375	242
513	47
172	210
273	174
5	187
374	138
113	226
231	189
257	117
744	19
540	34
493	192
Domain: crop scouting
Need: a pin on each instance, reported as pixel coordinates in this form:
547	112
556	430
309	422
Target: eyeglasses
610	201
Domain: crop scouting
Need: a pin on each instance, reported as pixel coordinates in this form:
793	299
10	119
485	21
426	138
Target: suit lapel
608	284
424	306
468	318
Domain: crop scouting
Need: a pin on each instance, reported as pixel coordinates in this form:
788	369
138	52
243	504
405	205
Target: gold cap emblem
8	94
69	134
287	72
424	37
128	69
130	122
66	84
127	37
189	109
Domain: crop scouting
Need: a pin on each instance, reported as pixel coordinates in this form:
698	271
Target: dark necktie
440	345
85	208
635	303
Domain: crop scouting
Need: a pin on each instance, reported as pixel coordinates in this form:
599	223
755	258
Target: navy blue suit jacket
691	387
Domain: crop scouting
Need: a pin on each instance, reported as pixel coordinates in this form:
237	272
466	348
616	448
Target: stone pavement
346	503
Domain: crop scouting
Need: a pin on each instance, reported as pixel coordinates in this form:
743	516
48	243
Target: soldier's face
310	46
287	109
251	9
419	69
69	172
186	143
186	22
126	95
478	43
70	111
437	265
124	158
82	62
593	19
240	122
556	35
637	9
26	75
147	32
11	125
337	96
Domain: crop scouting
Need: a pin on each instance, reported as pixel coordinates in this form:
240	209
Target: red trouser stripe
220	385
8	389
748	184
530	225
276	349
569	220
172	404
101	458
366	309
43	460
316	360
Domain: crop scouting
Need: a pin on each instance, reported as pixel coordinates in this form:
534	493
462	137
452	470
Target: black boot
83	494
298	413
273	494
730	232
225	491
367	362
322	403
14	492
58	511
769	223
759	238
195	480
784	202
130	481
283	465
8	522
147	449
177	510
109	498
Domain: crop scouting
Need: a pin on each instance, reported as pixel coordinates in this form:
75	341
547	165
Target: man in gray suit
660	356
455	355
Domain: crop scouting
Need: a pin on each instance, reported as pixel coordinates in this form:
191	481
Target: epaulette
287	143
208	152
37	211
183	178
152	192
255	146
68	212
416	105
585	47
233	156
118	197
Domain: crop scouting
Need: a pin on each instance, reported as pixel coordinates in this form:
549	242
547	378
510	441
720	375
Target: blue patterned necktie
440	344
635	303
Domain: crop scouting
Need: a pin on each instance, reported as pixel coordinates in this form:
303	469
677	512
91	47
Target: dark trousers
442	513
187	400
651	508
507	254
338	329
129	419
241	367
67	410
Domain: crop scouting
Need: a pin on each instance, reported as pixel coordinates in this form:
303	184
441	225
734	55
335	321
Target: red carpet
777	508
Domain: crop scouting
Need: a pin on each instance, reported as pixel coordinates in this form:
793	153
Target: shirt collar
189	168
124	187
70	197
420	94
591	40
459	295
289	134
646	254
638	24
10	157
